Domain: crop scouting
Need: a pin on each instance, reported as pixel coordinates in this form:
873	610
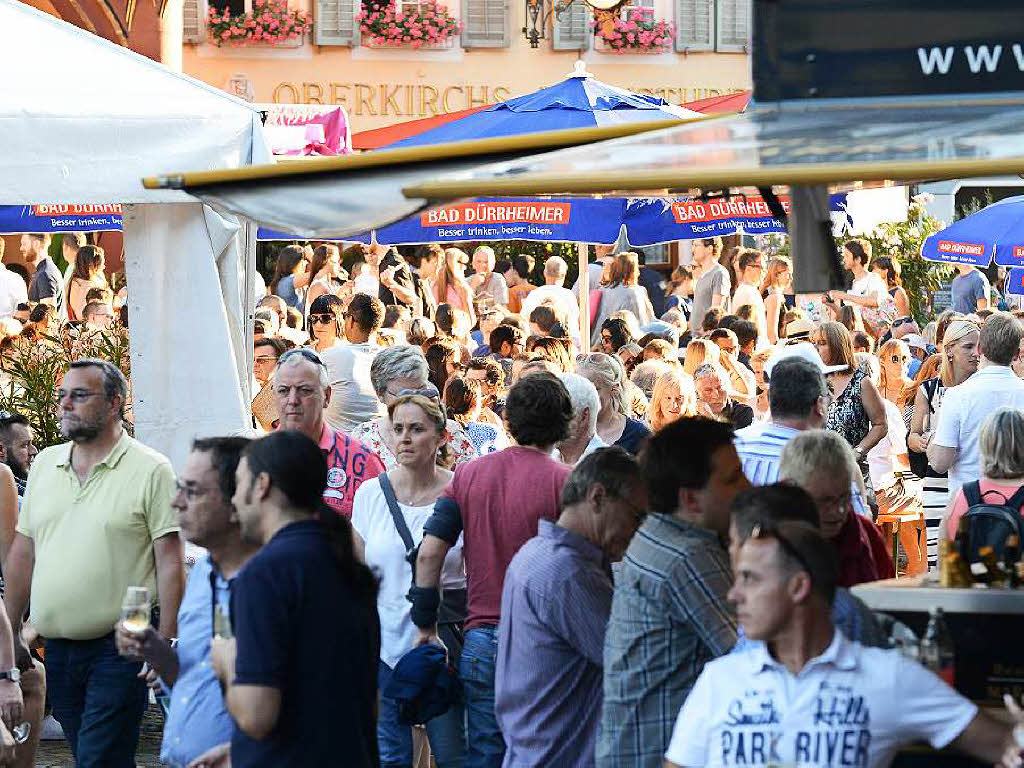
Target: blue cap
423	684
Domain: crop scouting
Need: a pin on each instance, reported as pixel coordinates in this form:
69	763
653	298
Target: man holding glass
96	520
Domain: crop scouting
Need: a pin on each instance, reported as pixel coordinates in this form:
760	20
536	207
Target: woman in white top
622	291
418	424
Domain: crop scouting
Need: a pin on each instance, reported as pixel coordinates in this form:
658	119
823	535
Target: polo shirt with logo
94	539
349	465
748	709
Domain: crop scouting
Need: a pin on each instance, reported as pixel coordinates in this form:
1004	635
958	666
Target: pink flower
225	35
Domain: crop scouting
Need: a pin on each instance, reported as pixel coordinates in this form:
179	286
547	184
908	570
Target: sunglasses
324	318
901	321
763	532
309	354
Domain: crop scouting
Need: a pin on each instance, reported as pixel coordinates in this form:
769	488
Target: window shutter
192	22
695	25
485	24
732	27
335	22
572	31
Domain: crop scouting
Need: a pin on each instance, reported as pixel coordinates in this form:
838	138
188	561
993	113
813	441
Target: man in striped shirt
799	399
669	612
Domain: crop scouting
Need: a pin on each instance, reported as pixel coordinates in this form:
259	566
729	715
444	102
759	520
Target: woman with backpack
1001	445
960	357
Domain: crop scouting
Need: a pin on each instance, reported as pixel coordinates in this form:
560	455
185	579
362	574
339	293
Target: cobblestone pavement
57	754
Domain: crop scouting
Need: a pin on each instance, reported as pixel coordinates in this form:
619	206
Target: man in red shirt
495	502
302	392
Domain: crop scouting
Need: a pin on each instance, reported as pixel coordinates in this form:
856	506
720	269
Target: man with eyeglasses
302	389
822	463
198	725
554	611
804	694
96	519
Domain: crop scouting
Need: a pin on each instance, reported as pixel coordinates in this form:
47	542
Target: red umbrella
389	134
713	105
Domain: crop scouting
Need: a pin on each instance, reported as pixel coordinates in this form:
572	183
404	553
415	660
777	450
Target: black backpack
988	525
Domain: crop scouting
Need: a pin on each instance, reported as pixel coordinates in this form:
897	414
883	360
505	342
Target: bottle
994	571
1011	554
937	652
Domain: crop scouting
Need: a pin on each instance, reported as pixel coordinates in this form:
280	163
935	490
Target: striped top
760	449
669	618
547	683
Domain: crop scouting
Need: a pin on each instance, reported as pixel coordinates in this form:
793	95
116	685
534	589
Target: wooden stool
908	529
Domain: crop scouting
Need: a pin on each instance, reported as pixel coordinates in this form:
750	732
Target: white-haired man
554	293
302	390
583	439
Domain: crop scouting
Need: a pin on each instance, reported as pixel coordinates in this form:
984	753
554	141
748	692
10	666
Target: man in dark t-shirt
300	675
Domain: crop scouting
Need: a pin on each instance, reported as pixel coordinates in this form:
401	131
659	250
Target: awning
375	138
797	144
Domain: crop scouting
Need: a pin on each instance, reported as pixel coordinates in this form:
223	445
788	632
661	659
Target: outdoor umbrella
996	231
579	101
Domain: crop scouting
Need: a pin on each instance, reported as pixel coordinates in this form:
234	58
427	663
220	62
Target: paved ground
57	754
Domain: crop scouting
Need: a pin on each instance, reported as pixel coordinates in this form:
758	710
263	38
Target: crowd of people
461	525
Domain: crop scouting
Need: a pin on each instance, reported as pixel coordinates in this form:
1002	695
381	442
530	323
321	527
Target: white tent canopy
83	120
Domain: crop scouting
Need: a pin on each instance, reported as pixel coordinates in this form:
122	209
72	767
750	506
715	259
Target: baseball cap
801	328
915	340
804	351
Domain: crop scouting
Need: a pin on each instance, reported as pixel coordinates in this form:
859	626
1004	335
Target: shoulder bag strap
396	512
972	493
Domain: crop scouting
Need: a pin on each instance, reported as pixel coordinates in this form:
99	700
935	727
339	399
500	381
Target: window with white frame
712	25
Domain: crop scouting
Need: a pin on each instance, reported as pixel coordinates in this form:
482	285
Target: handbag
452	613
919	461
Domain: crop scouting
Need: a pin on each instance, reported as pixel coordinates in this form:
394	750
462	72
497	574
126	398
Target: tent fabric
855	140
579	101
375	138
83	119
994	232
185	386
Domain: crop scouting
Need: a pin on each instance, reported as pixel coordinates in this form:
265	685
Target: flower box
637	31
426	26
270	24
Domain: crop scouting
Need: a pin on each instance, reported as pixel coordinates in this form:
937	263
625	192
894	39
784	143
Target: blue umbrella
996	231
1015	281
647	221
579	101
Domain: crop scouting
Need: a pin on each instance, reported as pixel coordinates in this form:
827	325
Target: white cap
915	340
804	351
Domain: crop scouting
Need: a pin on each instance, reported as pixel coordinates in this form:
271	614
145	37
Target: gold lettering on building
312	93
364	99
279	91
339	93
444	98
426	102
501	93
473	101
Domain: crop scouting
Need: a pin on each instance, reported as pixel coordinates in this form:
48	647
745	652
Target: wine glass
135	610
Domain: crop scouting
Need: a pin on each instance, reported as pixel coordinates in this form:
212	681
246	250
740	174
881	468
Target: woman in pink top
452	287
1001	445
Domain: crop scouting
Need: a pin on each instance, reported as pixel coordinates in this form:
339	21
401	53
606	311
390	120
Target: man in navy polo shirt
300	675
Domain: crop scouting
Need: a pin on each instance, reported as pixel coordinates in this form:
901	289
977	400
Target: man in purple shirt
555	605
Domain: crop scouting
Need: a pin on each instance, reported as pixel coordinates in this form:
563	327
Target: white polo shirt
843	709
963	411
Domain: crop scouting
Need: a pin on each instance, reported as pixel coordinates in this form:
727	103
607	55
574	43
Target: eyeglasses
190	492
762	532
900	321
309	354
265	359
77	395
321	318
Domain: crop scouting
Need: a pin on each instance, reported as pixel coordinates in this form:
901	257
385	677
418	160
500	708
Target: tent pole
582	251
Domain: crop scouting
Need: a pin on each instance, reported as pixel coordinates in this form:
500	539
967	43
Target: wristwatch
13	674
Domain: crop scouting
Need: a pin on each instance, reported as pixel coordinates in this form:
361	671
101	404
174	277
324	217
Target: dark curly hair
538	410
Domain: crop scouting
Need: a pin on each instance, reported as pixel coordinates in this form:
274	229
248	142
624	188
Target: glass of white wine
135	610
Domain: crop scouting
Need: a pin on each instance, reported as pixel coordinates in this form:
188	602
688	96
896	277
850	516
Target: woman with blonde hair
778	283
856	412
407	492
958	360
622	291
451	286
674	396
1001	445
894	367
614	425
698	352
701	351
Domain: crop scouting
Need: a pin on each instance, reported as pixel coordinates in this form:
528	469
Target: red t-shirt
349	464
501	497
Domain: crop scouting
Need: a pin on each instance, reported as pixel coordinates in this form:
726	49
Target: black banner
844	48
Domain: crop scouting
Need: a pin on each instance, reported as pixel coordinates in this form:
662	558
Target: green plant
32	372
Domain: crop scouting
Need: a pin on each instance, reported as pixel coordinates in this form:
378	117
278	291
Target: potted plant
636	31
427	25
271	23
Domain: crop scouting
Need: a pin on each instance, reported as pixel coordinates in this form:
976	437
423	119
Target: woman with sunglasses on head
958	362
451	286
403	498
326	275
325	322
397	371
894	366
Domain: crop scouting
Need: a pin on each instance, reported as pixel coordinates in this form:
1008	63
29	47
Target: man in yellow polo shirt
96	519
